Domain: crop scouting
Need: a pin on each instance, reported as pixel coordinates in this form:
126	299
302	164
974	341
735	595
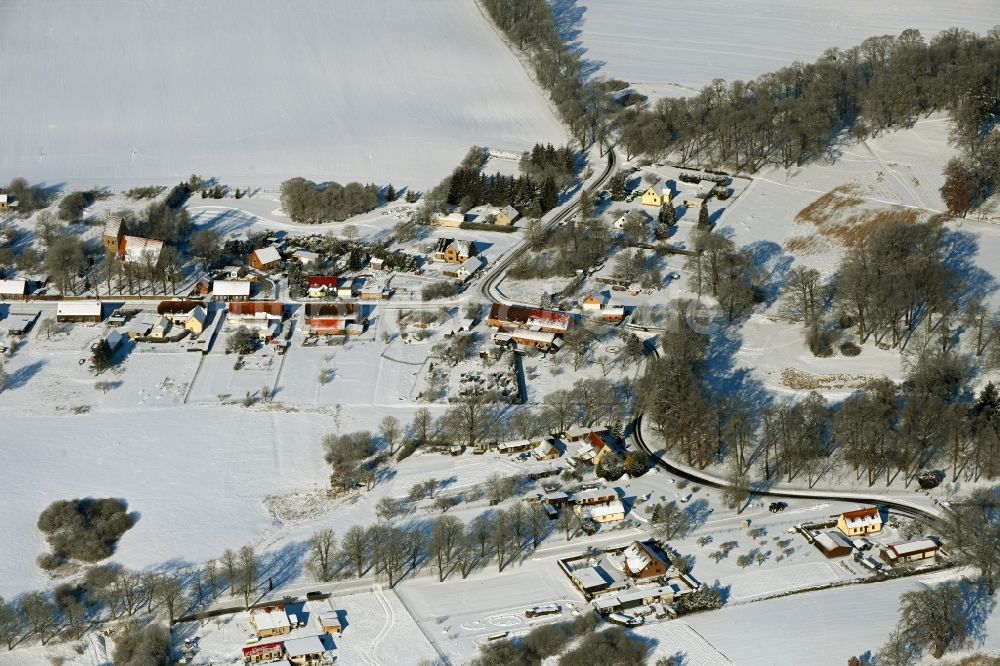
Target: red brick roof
317	281
257	307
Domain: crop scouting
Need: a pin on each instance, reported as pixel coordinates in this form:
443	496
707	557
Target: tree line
312	203
794	114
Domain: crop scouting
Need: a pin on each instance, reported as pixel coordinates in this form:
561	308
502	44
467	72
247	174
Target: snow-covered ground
671	49
257	92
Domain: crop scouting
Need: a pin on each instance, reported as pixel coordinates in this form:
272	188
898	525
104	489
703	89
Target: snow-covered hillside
254	92
672	49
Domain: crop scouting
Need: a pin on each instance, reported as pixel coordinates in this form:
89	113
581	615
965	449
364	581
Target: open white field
819	628
671	49
368	91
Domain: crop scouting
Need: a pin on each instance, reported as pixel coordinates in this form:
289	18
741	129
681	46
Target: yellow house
653	198
160	329
605	512
195	321
860	522
506	216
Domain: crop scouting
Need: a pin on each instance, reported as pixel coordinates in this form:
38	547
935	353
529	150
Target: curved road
488	290
487	287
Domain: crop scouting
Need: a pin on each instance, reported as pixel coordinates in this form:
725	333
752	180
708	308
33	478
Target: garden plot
219	380
669	50
346	91
783	578
678	638
380	630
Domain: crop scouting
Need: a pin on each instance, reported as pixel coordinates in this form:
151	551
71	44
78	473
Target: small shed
304	650
330	623
13	290
832	544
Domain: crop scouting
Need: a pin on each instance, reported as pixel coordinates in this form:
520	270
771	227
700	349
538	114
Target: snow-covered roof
510	212
463	248
534	336
299	647
451	217
598	511
595	494
515	445
113	226
636	557
78	308
582	431
264	619
267	255
832	540
590	577
136	248
231	288
862	518
114	339
15	287
471	265
305	256
198	314
911	548
545	447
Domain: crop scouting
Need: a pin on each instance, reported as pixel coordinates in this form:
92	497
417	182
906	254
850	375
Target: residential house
619	223
115	340
263	316
195	320
595	496
304	651
656	197
304	257
545	449
911	551
525	339
556	498
13	290
263	653
376	263
448	219
139	328
6	201
594	301
608	512
642	596
231	290
506	216
509	317
579	433
79	311
469	268
160	329
138	250
345	288
454	251
114	229
613	314
371	290
265	258
330	623
593	449
645	559
204	286
832	544
330	318
318	286
270	621
516	446
860	522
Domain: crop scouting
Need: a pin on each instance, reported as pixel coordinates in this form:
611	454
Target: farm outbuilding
79	311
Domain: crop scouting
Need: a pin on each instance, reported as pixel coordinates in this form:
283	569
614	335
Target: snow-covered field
673	49
257	92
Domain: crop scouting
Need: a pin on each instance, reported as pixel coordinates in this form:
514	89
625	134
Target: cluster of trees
306	201
613	646
970	178
578	244
726	272
73	204
585	106
550	162
103	593
793	115
86	530
29	197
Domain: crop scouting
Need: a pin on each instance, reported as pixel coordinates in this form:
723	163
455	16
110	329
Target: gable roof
15	287
510	212
113	226
78	308
267	255
231	288
136	247
862	517
471	265
909	548
321	281
274	308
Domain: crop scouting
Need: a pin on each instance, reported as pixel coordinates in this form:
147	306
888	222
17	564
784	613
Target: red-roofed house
509	317
593	449
860	522
911	550
321	285
645	560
